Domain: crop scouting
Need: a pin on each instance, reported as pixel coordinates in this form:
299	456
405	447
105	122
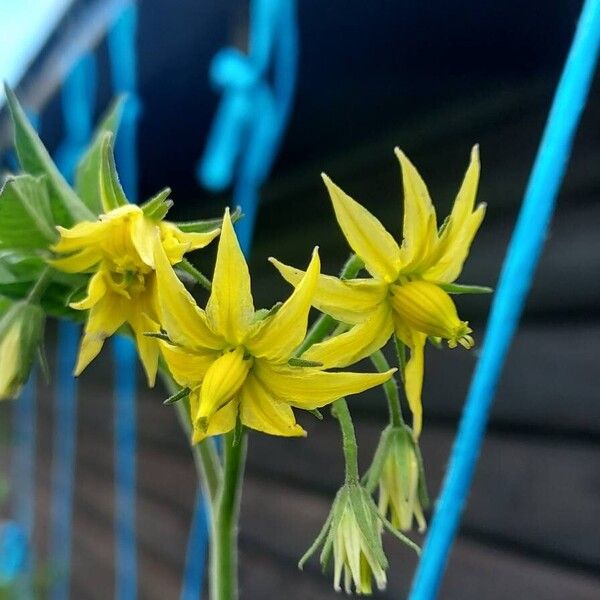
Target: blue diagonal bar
514	283
122	51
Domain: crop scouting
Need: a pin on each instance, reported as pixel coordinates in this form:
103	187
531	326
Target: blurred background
433	78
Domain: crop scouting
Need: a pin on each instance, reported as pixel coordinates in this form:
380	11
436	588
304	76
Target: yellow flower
237	364
406	292
21	331
119	250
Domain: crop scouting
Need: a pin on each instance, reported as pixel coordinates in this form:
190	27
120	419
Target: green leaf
87	182
25	217
111	193
67	208
158	206
208	225
457	288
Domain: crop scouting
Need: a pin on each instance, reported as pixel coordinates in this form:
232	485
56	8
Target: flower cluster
88	253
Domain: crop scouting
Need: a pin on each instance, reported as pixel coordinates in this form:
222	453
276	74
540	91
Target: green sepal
457	288
422	485
371	478
300	362
319	540
209	224
159	335
366	515
88	169
111	193
67	207
158	206
435	341
315	412
237	432
180	395
26	220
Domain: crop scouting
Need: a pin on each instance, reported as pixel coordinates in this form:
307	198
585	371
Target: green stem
342	414
206	461
186	266
224	557
390	388
38	289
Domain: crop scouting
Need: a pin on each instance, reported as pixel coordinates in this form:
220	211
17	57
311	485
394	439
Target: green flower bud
397	472
21	331
352	534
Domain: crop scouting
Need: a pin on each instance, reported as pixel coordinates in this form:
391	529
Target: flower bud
352	533
398	474
424	306
21	331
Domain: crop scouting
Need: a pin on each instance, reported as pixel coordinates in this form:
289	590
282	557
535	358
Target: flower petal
80	235
143	235
185	323
188	368
79	262
95	292
177	243
309	388
222	421
276	337
261	411
413	372
461	227
419	226
361	341
230	308
104	319
365	234
346	300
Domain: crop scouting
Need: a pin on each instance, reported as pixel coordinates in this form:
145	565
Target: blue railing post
122	50
78	97
514	283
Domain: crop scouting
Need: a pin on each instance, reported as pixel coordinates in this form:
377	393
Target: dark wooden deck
531	528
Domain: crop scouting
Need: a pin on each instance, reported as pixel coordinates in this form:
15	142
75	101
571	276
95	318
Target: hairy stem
224	557
390	388
342	414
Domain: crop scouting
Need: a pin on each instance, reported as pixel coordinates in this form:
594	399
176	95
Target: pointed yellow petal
79	262
95	292
185	323
365	234
188	368
104	319
361	341
177	243
413	379
143	234
278	336
222	381
419	225
142	319
222	421
309	388
461	227
349	301
80	235
230	308
261	411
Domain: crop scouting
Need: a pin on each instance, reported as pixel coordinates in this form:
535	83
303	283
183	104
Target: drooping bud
397	472
352	534
21	332
425	307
